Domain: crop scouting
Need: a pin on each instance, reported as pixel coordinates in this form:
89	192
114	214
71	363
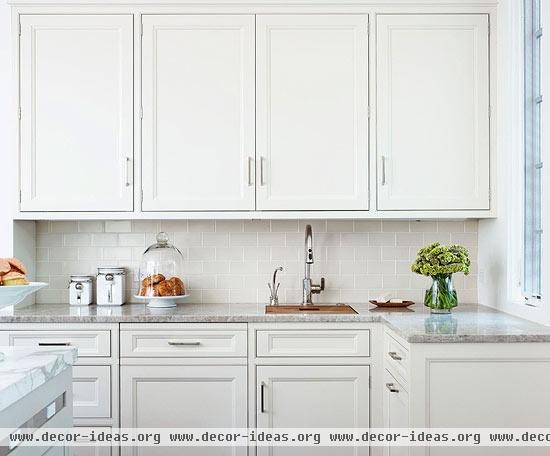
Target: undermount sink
310	308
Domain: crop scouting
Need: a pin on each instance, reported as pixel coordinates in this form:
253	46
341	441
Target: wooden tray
392	304
312	308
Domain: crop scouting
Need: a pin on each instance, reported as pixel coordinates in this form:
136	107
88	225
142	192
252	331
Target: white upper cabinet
198	112
432	112
76	83
312	112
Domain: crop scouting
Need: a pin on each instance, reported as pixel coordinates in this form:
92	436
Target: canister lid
111	270
80	278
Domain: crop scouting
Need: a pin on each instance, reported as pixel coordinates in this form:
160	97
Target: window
532	220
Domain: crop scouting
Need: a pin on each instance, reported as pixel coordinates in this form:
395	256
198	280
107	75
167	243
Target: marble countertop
468	322
25	369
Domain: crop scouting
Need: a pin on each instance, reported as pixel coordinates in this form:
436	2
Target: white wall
7	134
500	239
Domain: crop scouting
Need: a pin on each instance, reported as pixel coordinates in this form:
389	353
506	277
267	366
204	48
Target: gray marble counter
467	323
25	369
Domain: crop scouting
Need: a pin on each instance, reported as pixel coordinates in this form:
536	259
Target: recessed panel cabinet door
433	112
76	112
312	112
327	397
192	396
198	112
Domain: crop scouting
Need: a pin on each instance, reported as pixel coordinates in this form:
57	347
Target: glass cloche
160	274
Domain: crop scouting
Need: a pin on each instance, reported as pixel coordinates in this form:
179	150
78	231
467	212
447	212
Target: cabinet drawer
92	450
396	356
315	342
183	343
92	391
88	343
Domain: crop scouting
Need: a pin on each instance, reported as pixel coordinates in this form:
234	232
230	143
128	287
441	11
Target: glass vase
441	296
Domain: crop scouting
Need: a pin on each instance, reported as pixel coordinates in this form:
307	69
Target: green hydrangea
436	260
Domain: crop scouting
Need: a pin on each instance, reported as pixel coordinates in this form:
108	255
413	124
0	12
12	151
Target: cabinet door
76	112
183	397
433	112
396	411
312	397
198	112
92	391
312	112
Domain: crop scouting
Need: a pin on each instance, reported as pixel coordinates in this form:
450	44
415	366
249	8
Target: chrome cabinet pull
262	405
54	344
250	181
180	343
392	388
394	355
128	171
262	180
383	170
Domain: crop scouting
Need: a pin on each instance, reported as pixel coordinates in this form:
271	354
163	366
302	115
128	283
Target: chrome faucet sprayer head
309	245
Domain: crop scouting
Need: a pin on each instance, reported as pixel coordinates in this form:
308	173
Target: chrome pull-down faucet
309	289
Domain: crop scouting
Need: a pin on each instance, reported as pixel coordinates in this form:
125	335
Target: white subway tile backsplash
201	226
118	226
215	239
104	240
382	239
90	226
367	226
340	226
49	240
79	239
284	226
63	253
421	226
233	260
64	227
117	253
229	226
131	239
257	226
395	226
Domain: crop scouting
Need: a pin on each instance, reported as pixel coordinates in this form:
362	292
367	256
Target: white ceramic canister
80	290
111	286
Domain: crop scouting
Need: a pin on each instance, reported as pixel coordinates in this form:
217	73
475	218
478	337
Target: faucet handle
274	289
316	289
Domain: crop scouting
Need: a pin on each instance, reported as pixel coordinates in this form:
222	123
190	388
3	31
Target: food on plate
158	285
17	265
153	279
5	266
12	272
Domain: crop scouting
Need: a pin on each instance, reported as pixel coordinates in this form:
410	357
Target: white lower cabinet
396	411
312	397
94	450
92	391
184	396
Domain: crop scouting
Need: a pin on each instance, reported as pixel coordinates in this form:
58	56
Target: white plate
161	301
14	294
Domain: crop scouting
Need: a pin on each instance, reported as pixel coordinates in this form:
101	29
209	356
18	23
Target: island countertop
25	369
469	323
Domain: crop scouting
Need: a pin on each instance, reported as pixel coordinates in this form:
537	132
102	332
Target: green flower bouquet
440	262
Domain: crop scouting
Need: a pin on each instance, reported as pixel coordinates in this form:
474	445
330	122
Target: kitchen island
35	391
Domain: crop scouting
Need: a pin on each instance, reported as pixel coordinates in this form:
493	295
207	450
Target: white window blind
532	227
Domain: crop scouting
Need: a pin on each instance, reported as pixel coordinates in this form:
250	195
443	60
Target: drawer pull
54	344
394	355
392	388
184	343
